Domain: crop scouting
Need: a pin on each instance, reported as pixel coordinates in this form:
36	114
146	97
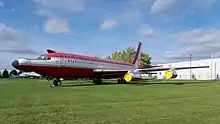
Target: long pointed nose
15	64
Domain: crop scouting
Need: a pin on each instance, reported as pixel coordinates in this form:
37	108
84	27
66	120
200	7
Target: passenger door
62	60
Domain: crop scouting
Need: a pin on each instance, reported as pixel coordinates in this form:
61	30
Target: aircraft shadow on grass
136	84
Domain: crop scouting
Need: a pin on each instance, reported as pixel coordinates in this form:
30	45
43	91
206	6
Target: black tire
55	83
120	81
59	83
97	81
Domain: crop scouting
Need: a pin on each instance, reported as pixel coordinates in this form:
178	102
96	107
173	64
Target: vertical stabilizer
137	57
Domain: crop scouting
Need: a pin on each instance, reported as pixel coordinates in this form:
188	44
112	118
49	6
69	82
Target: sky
169	29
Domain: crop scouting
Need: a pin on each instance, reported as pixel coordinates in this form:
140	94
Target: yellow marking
61	79
168	74
127	77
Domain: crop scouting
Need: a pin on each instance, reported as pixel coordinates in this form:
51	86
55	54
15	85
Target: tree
13	72
0	75
145	60
5	74
128	54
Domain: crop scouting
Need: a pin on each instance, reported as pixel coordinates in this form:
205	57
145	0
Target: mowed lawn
28	101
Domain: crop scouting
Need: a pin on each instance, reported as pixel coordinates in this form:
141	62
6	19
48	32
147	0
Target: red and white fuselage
66	65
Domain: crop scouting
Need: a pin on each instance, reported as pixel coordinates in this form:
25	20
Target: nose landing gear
97	81
57	82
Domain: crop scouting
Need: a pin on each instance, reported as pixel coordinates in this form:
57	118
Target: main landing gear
57	82
121	81
97	81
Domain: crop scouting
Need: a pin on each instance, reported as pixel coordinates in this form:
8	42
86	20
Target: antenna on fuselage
51	51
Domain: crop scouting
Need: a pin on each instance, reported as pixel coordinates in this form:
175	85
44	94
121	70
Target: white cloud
149	32
161	5
44	12
9	34
204	3
13	41
1	4
131	17
173	6
48	6
108	24
57	26
199	36
199	42
146	30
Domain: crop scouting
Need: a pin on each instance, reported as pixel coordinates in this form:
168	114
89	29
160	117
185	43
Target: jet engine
132	75
171	74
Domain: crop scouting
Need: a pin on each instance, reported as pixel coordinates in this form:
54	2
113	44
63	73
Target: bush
5	74
1	75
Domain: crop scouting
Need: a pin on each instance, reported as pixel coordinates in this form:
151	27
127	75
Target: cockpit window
39	58
43	58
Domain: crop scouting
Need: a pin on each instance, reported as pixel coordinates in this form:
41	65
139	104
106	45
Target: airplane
59	65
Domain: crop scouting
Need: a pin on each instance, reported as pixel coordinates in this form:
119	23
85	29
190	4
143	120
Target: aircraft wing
147	69
164	69
112	72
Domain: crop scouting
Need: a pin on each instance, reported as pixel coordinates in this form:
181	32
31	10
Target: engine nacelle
171	74
132	76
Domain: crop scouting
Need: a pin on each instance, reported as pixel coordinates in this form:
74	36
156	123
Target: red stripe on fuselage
63	71
59	72
83	57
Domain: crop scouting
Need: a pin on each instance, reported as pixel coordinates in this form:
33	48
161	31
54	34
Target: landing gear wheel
97	81
57	83
121	81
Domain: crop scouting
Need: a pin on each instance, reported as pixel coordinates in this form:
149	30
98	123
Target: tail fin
136	60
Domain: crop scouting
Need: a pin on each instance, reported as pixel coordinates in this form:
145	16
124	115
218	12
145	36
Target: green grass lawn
35	101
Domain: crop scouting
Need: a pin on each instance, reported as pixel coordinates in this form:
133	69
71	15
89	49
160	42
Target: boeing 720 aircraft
66	65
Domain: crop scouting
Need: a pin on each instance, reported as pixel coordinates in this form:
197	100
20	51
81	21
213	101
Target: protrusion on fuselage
19	63
15	64
51	51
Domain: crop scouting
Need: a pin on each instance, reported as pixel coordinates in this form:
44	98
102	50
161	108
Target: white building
210	73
